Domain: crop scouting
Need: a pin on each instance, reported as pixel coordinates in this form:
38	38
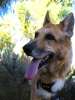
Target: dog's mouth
36	64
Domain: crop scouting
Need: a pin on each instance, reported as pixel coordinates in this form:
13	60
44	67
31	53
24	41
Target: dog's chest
45	76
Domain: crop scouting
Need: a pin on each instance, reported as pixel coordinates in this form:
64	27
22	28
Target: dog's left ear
67	25
47	19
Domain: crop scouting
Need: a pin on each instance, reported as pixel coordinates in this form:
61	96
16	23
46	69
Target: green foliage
5	37
12	70
5	40
31	13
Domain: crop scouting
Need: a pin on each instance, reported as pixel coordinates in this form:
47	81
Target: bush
12	82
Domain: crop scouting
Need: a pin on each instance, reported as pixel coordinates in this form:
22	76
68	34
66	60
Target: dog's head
51	42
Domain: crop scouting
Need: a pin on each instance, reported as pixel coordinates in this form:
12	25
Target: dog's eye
36	34
49	37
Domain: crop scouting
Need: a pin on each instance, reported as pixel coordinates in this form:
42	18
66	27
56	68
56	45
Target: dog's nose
28	48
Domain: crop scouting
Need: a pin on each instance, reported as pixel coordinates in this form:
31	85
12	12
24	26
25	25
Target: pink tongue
32	70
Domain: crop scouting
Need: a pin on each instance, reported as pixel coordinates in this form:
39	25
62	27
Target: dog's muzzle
31	49
40	58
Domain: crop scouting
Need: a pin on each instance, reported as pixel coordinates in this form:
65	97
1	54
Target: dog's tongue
32	69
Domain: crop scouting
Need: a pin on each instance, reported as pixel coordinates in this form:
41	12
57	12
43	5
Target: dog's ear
67	25
47	19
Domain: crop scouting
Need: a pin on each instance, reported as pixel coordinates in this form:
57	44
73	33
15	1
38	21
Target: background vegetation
29	17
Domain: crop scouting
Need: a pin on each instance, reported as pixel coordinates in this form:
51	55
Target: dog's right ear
47	19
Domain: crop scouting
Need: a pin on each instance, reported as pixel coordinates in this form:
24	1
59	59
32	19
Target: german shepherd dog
52	55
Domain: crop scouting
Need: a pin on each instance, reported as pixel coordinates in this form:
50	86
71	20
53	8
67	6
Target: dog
52	56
